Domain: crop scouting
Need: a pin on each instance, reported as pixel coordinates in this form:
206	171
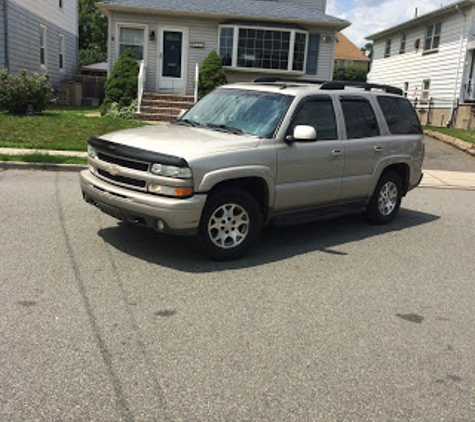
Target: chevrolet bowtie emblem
113	170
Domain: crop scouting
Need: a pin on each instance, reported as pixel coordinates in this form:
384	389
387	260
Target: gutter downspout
5	33
450	122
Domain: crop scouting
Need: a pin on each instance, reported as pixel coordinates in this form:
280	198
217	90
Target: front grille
122	180
123	162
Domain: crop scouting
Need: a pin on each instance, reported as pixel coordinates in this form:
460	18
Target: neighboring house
431	57
40	36
288	38
348	54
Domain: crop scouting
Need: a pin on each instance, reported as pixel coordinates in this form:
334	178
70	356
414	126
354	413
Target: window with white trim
432	36
61	51
133	38
387	49
425	91
402	47
249	47
43	45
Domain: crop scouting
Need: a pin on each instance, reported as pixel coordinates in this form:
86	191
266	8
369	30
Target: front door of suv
309	173
363	146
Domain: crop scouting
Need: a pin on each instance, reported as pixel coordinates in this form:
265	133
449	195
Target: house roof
453	7
346	50
269	10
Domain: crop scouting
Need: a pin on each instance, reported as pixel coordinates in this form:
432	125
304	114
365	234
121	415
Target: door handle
337	152
378	149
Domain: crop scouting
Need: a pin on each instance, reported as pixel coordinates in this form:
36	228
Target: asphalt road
336	321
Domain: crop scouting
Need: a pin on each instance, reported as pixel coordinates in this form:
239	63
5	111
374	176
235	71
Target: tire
230	224
386	199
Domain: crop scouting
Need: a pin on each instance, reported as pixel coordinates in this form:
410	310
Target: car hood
181	141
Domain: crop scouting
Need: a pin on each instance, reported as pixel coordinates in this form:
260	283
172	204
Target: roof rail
272	79
330	85
365	85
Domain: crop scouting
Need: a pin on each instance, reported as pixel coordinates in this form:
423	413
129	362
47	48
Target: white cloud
370	16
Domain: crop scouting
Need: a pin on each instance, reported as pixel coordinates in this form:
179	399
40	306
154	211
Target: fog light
160	225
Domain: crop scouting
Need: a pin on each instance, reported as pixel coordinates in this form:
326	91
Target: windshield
239	111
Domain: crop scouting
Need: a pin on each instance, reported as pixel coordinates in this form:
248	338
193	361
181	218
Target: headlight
91	152
171	171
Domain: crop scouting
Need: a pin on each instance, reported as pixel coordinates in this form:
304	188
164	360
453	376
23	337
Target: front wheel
230	224
386	199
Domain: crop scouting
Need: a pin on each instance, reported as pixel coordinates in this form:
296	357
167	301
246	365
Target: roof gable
346	50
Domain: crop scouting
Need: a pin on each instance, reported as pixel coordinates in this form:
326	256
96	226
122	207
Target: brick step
163	107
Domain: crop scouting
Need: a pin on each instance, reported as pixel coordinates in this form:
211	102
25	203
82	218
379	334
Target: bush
91	55
350	73
211	75
121	87
126	112
20	94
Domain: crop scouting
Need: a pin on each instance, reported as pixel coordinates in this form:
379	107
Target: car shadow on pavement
277	243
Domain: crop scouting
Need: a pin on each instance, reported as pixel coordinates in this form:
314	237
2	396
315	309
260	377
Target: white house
253	37
39	36
431	57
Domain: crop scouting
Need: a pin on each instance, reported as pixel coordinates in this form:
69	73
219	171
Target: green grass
464	135
43	158
60	128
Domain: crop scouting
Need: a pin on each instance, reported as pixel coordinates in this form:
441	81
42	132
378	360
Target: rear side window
400	116
360	119
317	112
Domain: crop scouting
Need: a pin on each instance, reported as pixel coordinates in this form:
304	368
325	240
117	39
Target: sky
370	16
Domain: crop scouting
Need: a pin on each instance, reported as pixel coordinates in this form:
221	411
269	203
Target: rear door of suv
364	146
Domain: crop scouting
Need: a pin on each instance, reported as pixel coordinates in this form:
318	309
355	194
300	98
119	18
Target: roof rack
272	79
365	85
330	85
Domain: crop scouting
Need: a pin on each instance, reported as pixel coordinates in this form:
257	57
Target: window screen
400	116
359	118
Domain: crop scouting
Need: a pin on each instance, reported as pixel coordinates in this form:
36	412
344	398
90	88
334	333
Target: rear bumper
180	216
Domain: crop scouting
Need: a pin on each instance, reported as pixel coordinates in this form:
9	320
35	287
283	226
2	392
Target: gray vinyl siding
415	66
205	32
2	35
24	44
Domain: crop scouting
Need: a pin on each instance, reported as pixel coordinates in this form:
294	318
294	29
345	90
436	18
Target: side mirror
303	133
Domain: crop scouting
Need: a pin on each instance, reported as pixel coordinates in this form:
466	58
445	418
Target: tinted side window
319	114
400	116
359	118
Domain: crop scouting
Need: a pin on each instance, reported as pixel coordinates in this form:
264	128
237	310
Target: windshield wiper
187	122
225	128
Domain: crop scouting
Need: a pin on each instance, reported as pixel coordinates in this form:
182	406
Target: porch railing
141	84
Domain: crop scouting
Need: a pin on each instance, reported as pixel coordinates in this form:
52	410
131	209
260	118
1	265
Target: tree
92	33
211	75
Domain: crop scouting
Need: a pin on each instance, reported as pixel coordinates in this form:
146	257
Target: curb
466	147
17	165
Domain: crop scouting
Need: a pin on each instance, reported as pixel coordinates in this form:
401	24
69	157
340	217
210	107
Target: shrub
351	73
121	87
126	112
211	74
19	94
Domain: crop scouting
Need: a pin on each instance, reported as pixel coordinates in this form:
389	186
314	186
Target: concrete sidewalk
448	180
19	151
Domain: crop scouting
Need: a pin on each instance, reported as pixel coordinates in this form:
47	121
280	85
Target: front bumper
180	216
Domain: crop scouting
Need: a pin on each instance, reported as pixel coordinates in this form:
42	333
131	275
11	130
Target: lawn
60	128
462	134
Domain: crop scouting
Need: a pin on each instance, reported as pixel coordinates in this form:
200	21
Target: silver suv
246	155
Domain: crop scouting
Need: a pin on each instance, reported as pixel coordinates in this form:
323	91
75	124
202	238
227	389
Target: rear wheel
231	223
386	199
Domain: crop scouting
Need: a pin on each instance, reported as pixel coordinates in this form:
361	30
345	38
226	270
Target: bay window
261	48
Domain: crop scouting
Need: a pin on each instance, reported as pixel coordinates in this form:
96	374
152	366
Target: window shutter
312	54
